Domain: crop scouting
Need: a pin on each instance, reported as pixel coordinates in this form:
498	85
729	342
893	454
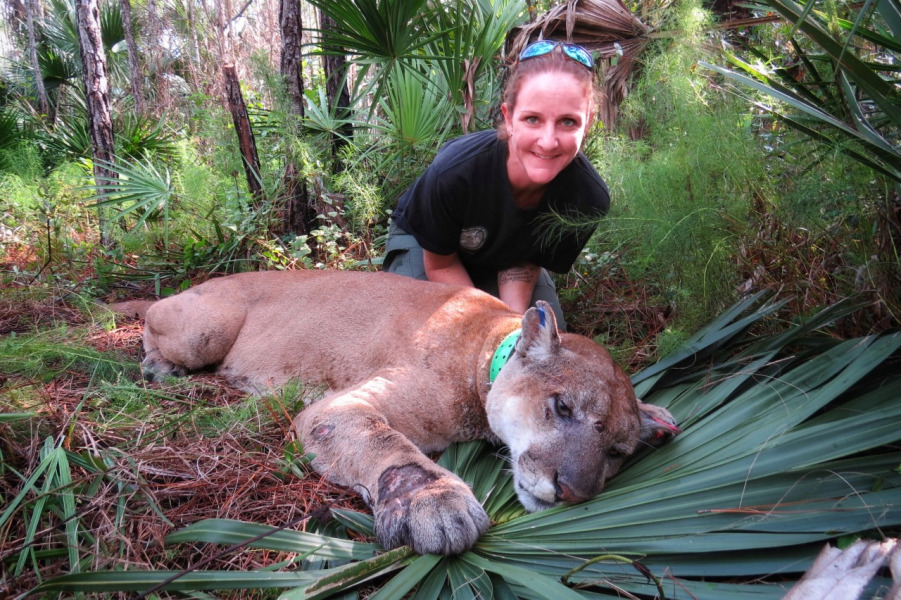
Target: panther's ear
540	338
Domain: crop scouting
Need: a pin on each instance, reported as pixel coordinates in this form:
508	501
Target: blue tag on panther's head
541	316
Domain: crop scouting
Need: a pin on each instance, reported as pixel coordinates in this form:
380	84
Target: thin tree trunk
43	105
194	64
335	67
100	124
245	134
223	9
132	47
291	65
301	216
159	90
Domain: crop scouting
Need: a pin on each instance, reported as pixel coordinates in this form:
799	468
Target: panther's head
568	414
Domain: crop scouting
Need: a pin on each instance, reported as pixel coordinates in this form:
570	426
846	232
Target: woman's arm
445	268
516	284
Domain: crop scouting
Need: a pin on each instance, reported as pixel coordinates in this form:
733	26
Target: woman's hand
516	285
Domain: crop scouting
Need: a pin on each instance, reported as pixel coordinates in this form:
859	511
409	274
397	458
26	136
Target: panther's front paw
431	513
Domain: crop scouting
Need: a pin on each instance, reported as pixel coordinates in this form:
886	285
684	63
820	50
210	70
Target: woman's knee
546	290
406	262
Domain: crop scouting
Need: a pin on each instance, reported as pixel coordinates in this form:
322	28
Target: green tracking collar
502	354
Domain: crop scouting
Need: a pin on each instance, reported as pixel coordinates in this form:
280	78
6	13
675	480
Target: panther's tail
135	309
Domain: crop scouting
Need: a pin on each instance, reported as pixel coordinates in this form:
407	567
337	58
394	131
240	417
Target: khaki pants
403	256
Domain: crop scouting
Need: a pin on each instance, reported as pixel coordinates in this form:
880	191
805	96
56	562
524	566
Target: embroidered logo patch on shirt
473	238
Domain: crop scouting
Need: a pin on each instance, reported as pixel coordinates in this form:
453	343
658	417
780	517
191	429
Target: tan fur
407	366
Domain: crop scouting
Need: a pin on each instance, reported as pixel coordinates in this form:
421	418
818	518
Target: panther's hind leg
190	331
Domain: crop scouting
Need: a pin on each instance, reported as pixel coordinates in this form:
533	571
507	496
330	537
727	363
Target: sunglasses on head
573	51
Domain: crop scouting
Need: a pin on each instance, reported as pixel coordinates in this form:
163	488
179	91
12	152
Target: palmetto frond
136	188
841	93
380	36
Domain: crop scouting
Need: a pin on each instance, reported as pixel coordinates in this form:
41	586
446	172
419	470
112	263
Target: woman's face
545	128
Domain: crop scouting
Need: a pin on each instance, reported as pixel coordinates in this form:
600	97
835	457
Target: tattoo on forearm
526	272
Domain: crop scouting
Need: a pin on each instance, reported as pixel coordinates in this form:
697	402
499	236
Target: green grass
45	355
683	193
680	213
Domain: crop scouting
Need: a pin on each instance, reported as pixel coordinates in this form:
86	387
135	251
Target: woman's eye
531	120
569	122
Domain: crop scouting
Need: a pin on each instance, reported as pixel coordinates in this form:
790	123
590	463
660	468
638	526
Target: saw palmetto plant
790	442
836	81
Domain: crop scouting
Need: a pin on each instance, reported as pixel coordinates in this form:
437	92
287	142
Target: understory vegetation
747	277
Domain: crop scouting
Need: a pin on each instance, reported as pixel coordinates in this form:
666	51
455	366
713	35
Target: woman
483	213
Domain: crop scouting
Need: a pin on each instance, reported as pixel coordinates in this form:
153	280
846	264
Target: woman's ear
508	117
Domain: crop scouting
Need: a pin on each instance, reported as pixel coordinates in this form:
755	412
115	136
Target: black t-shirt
463	203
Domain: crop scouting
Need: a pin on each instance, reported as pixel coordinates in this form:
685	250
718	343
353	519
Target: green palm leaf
382	34
378	31
10	132
228	532
417	117
142	581
874	150
855	110
137	187
469	51
321	118
869	81
416	112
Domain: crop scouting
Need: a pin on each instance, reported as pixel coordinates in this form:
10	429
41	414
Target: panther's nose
563	493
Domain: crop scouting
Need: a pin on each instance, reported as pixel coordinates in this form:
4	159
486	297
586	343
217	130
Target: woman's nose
548	139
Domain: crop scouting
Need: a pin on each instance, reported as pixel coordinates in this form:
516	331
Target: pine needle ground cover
790	441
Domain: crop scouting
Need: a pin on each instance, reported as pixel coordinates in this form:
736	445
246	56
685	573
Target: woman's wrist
445	268
516	285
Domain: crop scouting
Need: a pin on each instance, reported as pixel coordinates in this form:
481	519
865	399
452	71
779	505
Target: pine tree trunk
43	105
291	65
223	10
100	124
132	47
300	215
335	67
248	145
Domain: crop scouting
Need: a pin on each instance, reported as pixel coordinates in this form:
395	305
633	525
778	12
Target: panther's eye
563	410
615	452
